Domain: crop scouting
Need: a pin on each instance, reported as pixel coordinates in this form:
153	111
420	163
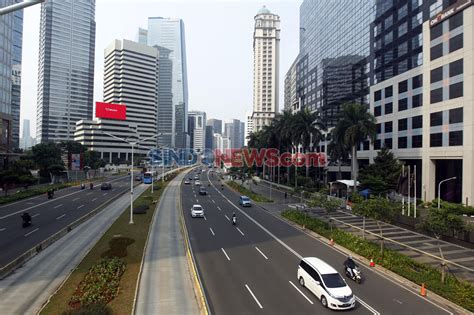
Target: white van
326	283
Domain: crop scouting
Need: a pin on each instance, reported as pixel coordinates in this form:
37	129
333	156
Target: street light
133	144
19	6
439	189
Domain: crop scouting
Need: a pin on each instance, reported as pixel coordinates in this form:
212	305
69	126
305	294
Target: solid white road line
254	297
75	199
212	232
367	306
262	253
58	206
80	206
240	231
2	229
225	254
61	216
35	215
297	289
27	234
30	203
226	217
94	199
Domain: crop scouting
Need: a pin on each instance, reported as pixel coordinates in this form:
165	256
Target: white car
197	183
326	283
187	182
197	211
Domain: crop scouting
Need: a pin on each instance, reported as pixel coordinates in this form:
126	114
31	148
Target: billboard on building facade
110	111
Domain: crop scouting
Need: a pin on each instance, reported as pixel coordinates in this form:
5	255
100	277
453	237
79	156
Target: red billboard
110	111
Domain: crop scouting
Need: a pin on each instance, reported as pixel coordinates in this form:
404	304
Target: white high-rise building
197	130
248	127
266	55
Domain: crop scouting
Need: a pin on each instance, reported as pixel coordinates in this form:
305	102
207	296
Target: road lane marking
80	206
297	289
226	217
219	208
94	199
58	206
367	306
254	297
29	233
225	254
35	215
212	232
204	217
262	253
75	199
213	201
30	203
104	194
2	229
240	231
398	301
88	194
60	217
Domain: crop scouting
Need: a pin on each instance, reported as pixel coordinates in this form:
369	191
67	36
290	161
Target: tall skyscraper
11	33
197	122
248	127
66	68
233	132
168	35
216	124
291	102
26	140
209	137
266	56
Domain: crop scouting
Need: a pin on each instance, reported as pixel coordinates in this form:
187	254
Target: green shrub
93	309
457	291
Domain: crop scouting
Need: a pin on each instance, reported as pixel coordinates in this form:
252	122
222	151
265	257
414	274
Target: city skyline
229	100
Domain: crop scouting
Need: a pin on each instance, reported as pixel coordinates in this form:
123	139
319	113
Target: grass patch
123	242
457	291
244	191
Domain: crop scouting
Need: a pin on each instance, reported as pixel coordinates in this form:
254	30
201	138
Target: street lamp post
439	189
133	144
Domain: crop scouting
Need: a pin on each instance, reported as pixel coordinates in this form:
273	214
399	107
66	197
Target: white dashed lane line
240	232
61	216
254	297
80	206
227	217
58	206
227	256
212	232
35	215
294	286
29	233
262	253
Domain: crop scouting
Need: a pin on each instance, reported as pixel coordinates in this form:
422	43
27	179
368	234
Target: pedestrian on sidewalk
286	195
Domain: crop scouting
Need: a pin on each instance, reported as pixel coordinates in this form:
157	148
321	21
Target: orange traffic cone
423	290
331	242
372	264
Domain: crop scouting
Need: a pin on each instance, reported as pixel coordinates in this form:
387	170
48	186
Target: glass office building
11	32
66	68
334	57
168	35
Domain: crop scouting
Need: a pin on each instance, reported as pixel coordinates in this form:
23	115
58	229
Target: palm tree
282	124
338	151
355	125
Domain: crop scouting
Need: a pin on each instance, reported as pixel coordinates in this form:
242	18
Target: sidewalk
419	247
165	285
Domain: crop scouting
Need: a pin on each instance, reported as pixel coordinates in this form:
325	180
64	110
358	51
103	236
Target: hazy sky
218	44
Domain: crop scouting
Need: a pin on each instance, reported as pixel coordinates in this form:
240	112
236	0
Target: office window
436	31
378	95
417	122
388	126
402	104
403	86
436	139
378	127
455	21
456	115
377	111
455	138
416	3
436	51
402	49
436	95
436	119
417	100
417	81
402	29
388	108
389	91
456	68
436	74
456	43
417	141
417	20
456	90
417	41
365	145
402	12
388	22
388	143
402	142
377	144
402	124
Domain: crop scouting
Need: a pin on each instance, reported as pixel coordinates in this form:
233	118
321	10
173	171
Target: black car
106	186
202	191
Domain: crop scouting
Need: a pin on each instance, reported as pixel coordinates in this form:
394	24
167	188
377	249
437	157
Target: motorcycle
222	187
356	273
83	186
234	221
26	220
91	185
50	194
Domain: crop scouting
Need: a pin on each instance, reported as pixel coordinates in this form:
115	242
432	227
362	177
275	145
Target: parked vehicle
325	283
244	201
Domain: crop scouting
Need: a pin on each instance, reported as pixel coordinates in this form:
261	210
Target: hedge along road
254	267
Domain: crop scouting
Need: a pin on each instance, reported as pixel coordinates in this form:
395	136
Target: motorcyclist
91	185
350	265
26	218
83	186
234	218
222	186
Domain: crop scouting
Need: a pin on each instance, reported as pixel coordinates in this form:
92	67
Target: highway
50	215
252	268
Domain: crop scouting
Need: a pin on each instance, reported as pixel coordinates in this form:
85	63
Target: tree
72	147
379	209
355	125
382	176
439	222
93	160
45	155
7	179
338	151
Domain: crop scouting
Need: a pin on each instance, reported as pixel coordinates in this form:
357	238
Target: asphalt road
50	215
252	268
